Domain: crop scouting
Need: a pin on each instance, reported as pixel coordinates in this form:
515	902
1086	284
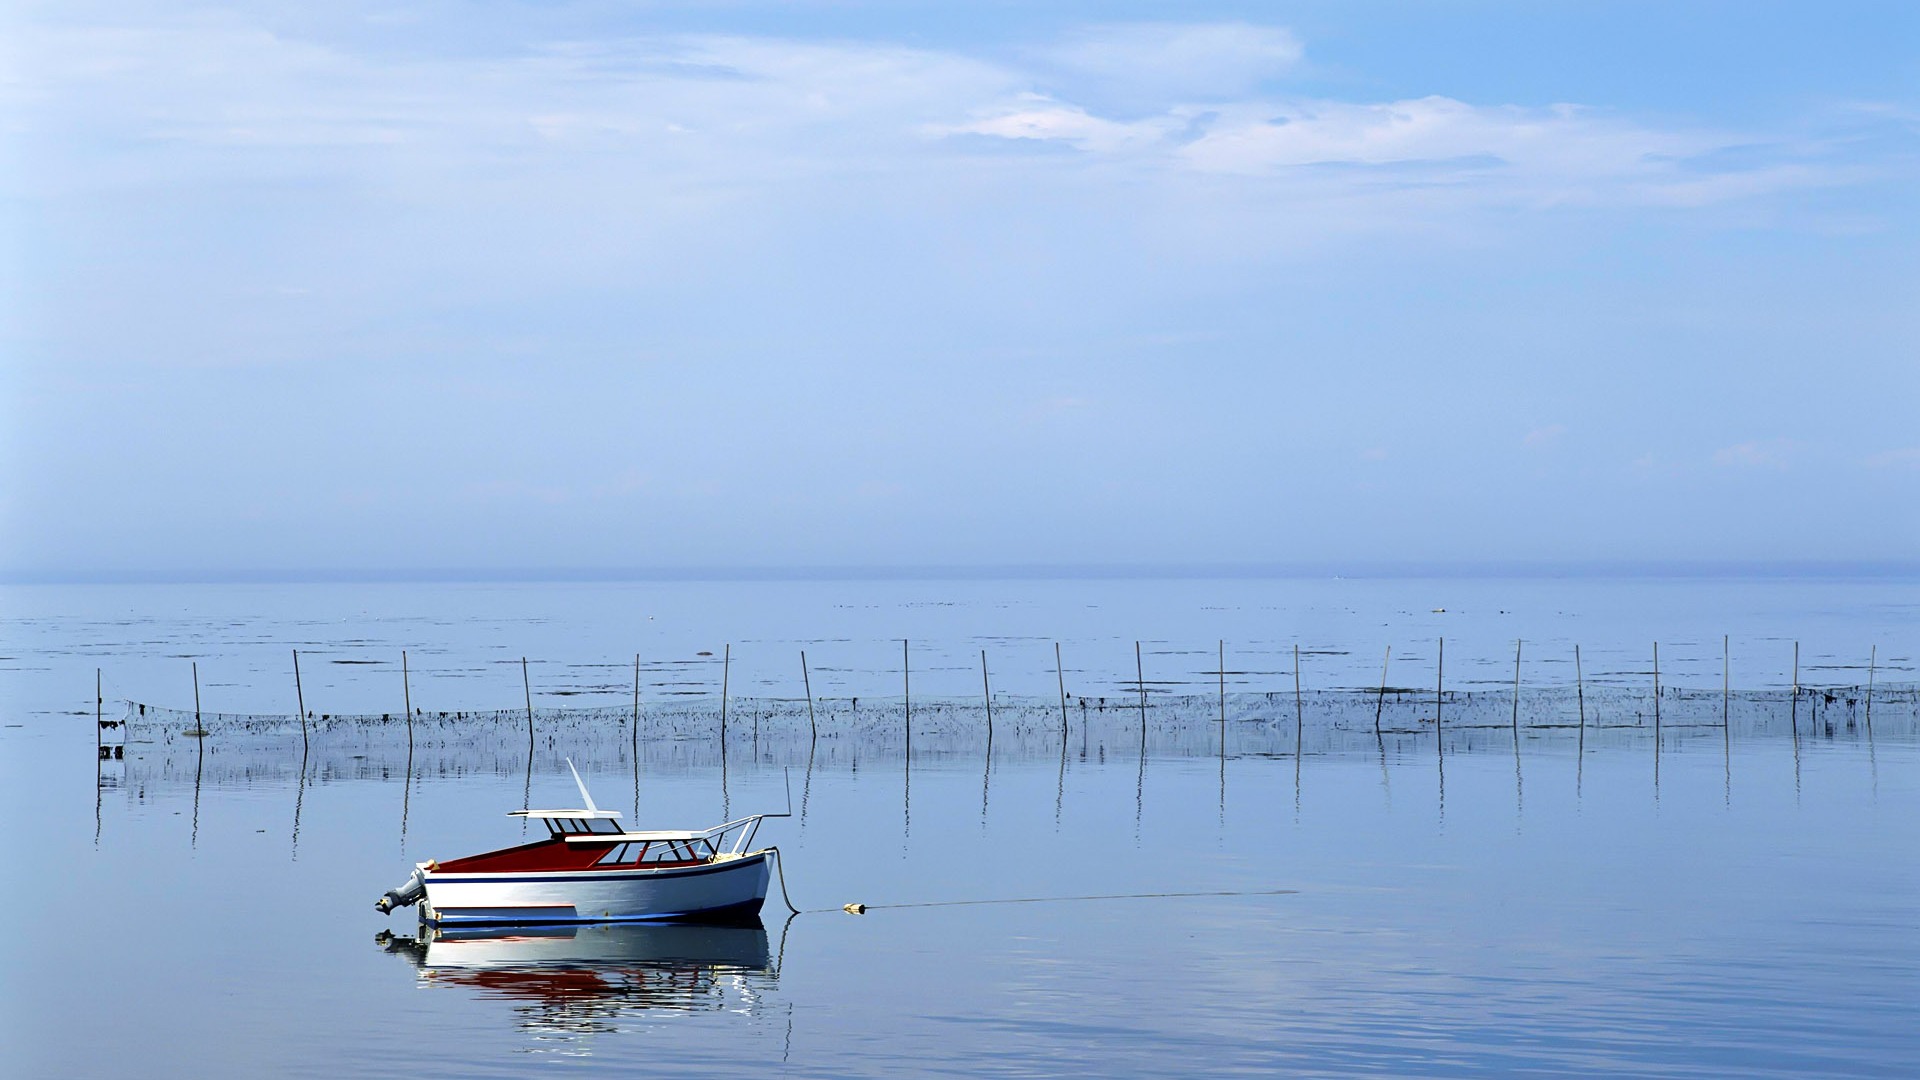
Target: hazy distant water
465	642
1749	908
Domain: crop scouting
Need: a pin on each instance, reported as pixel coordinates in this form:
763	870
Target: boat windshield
571	825
658	853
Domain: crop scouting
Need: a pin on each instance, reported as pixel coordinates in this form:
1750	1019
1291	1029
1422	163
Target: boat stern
407	893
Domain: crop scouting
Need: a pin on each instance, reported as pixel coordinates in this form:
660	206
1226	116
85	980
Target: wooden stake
100	748
807	681
1439	681
1726	711
1223	680
987	691
1656	719
906	692
1793	712
1299	715
1140	786
1727	679
199	729
986	759
1872	658
1060	673
633	735
1580	689
406	693
1516	688
300	698
526	684
1656	696
1381	701
1140	682
726	670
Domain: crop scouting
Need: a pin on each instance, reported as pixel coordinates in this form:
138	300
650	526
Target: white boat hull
717	891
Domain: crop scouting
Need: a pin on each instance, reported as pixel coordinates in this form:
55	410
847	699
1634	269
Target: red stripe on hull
549	854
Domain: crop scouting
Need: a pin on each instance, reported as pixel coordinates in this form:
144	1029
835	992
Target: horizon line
1318	570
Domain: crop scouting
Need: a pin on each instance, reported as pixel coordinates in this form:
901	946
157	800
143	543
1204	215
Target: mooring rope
861	909
780	870
780	867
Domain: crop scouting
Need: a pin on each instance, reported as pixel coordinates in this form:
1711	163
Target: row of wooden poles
906	674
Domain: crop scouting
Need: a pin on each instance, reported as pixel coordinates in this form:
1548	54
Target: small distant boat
590	870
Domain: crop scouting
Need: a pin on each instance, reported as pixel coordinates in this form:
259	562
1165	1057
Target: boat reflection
583	979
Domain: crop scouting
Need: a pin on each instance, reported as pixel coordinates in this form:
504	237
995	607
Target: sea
1095	826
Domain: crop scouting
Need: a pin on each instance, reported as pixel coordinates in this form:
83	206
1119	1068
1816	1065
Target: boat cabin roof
592	822
651	836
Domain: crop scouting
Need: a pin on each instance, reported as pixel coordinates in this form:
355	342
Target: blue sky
568	285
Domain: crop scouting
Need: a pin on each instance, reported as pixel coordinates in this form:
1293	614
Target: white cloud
127	105
1055	407
1544	436
1906	457
1756	453
159	99
1036	117
1178	61
1434	130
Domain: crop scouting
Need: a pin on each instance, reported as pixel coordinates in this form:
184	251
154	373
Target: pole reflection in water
1386	782
1795	718
986	785
1379	703
1299	733
986	772
1223	732
568	981
1439	731
1726	713
1580	753
1223	773
1140	783
1060	781
806	786
906	717
299	797
634	736
406	789
200	764
1519	795
1519	790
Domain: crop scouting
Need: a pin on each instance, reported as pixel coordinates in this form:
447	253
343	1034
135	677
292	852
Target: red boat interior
554	853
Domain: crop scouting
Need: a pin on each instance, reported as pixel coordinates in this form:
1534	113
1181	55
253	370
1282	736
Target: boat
590	870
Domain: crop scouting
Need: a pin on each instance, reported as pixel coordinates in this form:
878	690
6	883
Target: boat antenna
582	785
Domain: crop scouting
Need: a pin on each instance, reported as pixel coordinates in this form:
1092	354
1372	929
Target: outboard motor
407	893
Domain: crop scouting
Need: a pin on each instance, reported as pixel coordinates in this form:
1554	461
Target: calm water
1745	902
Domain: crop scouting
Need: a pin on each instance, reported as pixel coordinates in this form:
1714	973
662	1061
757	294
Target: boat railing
745	828
728	840
741	831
